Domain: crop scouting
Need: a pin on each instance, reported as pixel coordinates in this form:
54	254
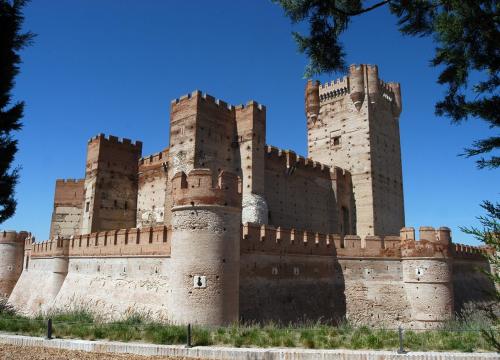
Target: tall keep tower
353	123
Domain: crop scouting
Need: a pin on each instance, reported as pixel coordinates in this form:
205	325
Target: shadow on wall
294	289
470	284
304	194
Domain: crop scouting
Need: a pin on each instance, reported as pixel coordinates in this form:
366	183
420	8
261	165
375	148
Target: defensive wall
284	274
306	194
113	273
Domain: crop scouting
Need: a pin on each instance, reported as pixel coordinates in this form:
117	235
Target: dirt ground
11	352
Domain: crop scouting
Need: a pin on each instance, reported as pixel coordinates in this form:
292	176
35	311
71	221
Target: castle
220	227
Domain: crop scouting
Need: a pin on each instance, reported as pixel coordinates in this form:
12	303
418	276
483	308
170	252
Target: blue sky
114	66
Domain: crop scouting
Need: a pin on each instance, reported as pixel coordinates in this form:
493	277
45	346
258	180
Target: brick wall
68	204
152	192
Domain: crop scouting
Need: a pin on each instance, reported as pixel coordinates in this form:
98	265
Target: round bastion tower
427	275
205	255
11	260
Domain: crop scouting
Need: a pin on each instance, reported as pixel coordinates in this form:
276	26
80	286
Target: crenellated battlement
362	80
8	236
292	161
154	159
28	242
204	97
251	103
431	243
470	252
11	236
70	181
270	240
209	99
50	248
386	90
427	233
197	188
147	241
111	139
334	89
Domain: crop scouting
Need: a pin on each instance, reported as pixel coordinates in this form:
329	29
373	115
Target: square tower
209	133
353	123
111	184
67	214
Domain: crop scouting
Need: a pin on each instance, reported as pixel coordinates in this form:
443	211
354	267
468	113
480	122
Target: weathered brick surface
152	192
356	127
11	260
68	204
111	185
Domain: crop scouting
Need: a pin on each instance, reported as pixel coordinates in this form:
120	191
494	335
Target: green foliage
462	334
6	308
489	235
466	33
12	40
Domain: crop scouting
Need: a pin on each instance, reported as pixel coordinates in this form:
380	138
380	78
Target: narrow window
87	206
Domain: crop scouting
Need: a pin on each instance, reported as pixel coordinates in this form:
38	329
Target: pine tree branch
361	11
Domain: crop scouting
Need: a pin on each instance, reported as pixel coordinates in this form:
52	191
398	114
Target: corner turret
357	85
205	248
11	259
312	101
427	275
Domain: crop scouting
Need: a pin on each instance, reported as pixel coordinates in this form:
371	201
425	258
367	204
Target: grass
459	335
